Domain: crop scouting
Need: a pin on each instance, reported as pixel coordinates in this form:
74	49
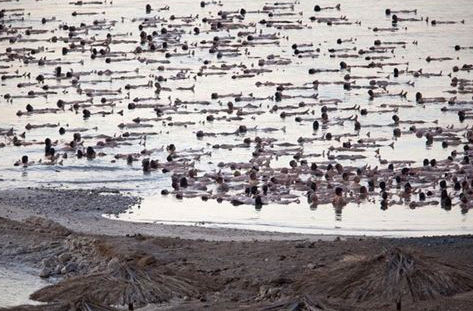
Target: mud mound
139	281
395	276
36	224
47	226
303	303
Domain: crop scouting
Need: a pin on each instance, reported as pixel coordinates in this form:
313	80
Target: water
352	219
16	285
106	171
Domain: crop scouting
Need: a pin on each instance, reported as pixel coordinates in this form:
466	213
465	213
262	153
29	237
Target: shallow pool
16	284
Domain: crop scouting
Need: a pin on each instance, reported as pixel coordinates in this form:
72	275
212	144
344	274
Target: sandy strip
81	210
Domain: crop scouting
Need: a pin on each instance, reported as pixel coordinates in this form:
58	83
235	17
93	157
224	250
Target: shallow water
353	219
16	285
367	218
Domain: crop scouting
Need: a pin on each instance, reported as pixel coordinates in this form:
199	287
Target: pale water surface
16	285
366	218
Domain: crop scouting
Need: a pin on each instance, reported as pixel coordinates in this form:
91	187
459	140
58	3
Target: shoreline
59	234
82	214
91	212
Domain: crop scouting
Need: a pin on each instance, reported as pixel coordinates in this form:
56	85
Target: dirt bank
241	275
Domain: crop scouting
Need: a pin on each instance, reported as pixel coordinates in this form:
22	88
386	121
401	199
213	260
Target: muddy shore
82	210
60	234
